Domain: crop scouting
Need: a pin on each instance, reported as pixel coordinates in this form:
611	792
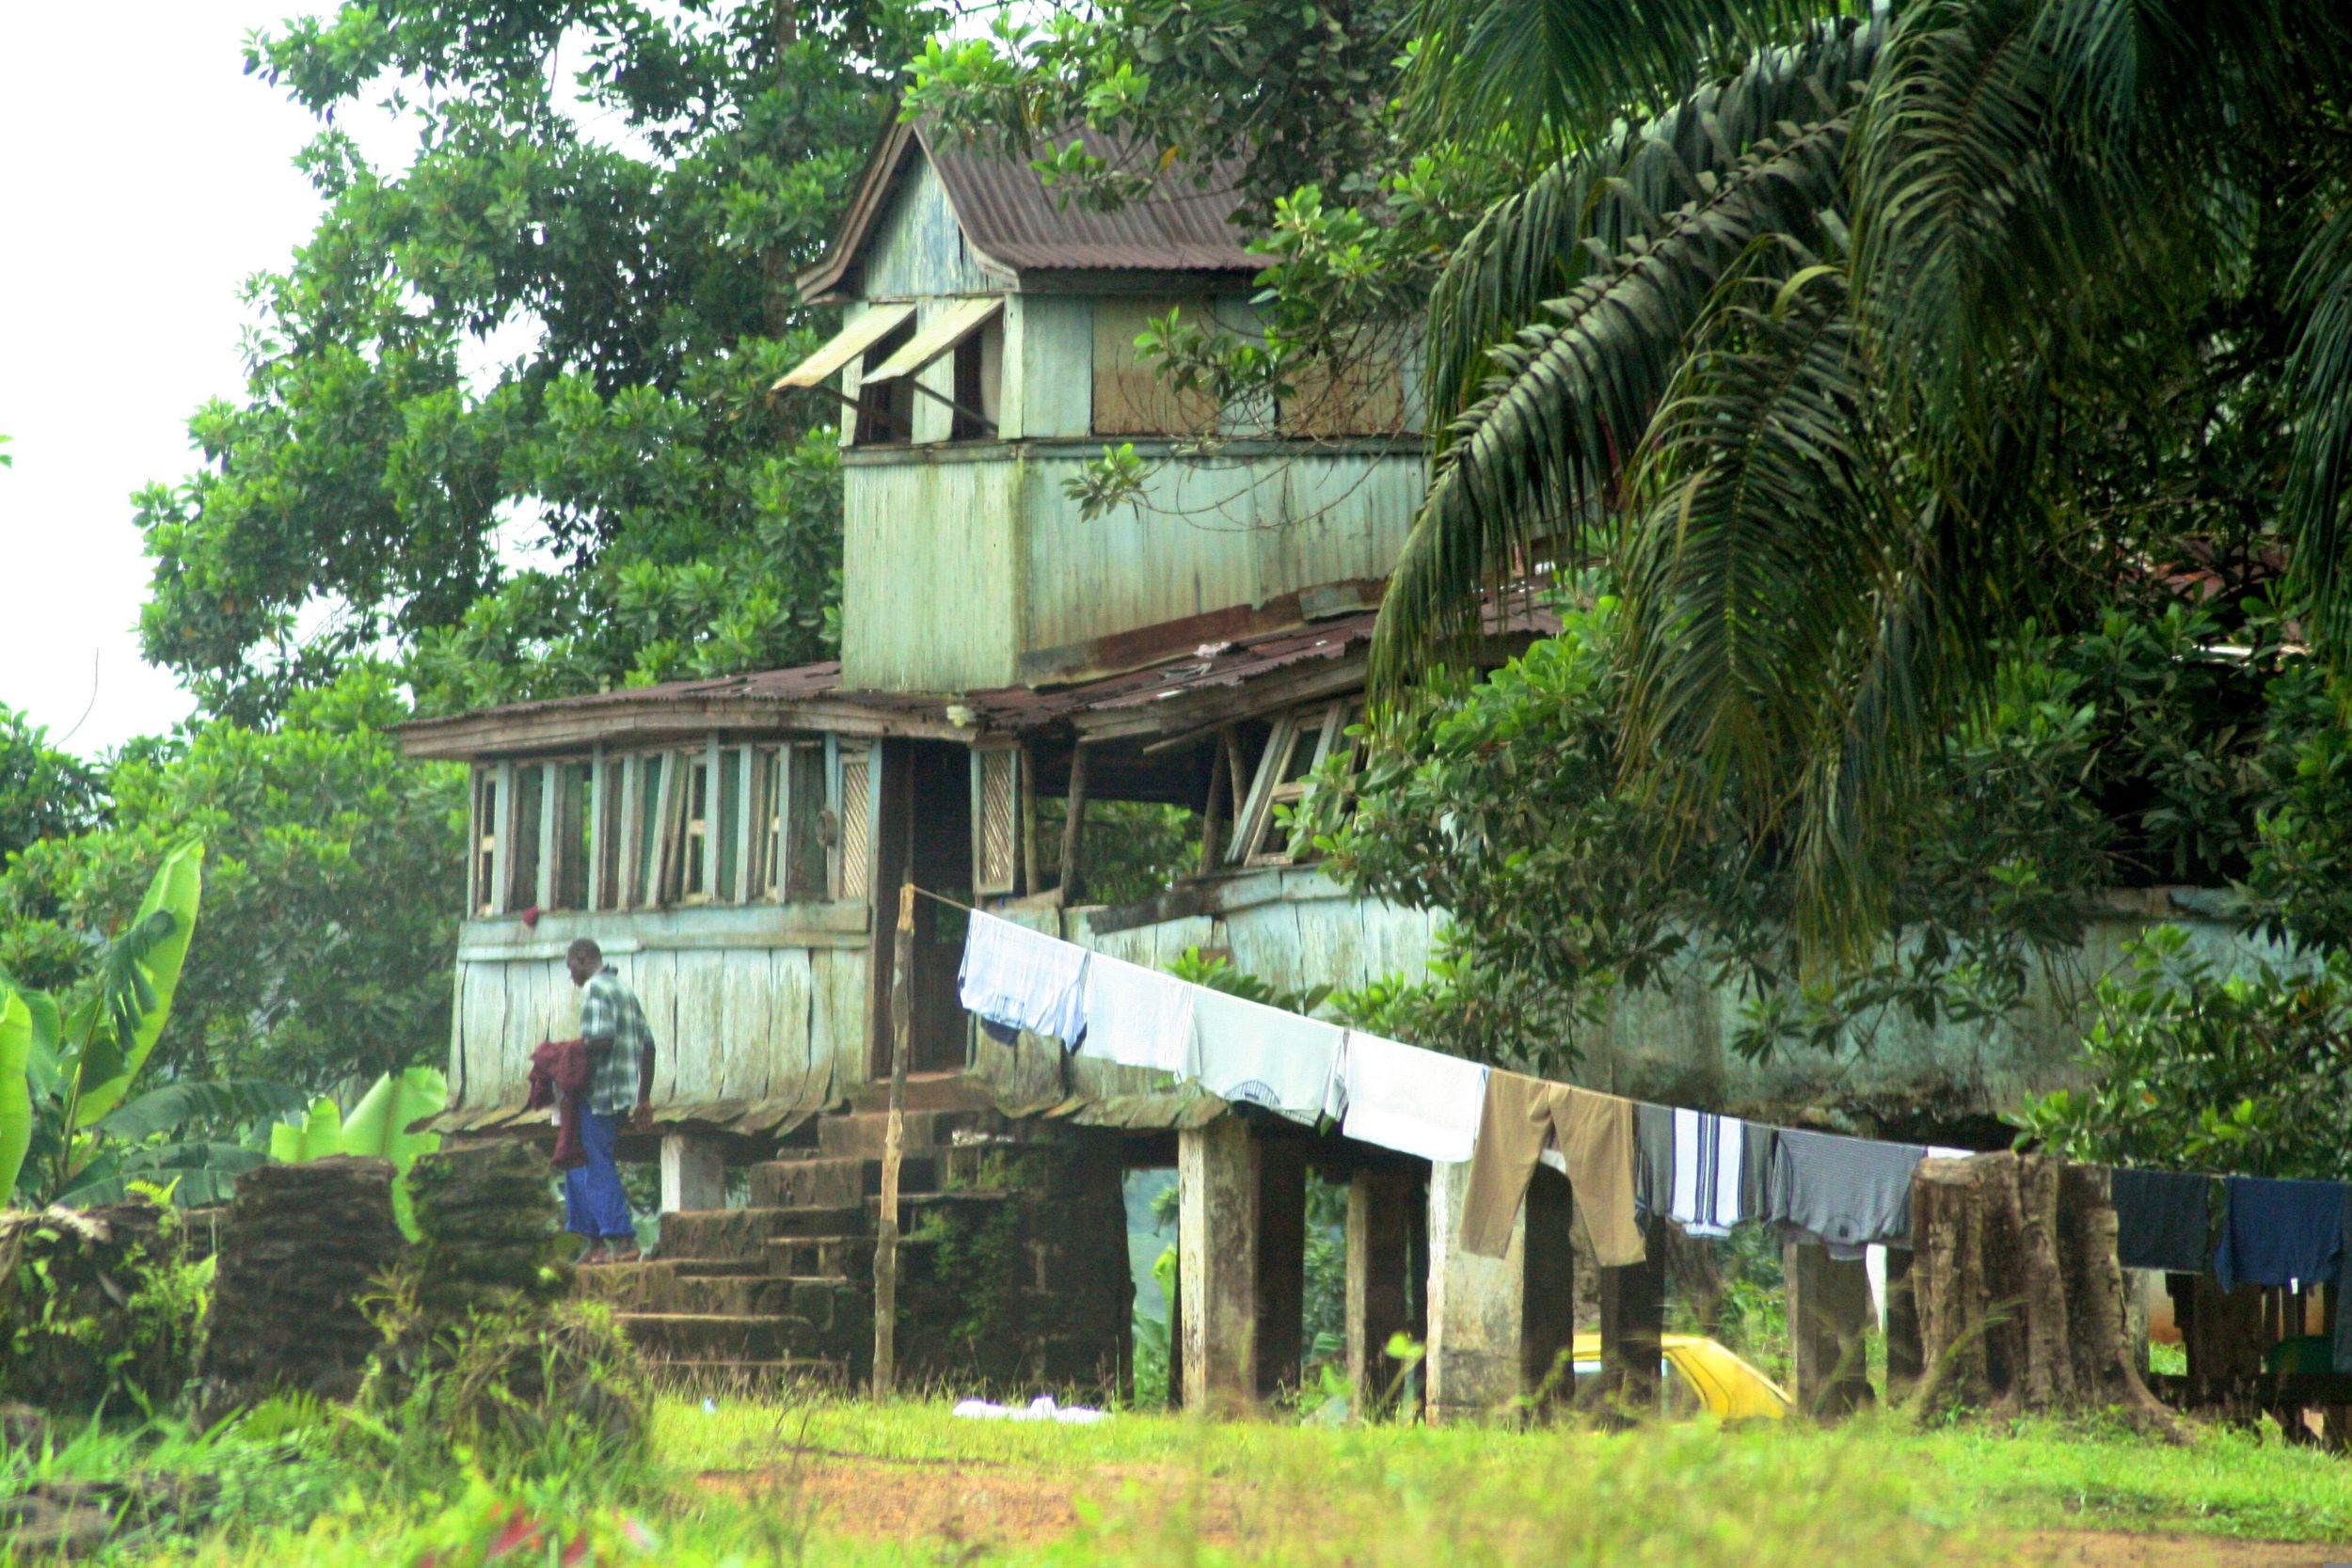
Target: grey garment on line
1654	1152
1851	1192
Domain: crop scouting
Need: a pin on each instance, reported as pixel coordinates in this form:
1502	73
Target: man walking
620	1046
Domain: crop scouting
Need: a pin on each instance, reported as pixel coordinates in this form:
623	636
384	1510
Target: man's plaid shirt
609	1010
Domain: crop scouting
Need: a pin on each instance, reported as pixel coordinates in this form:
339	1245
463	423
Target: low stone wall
303	1246
95	1310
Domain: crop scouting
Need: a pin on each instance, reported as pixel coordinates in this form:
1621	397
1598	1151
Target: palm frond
1762	543
2319	497
1532	459
1809	603
1558	71
1581	212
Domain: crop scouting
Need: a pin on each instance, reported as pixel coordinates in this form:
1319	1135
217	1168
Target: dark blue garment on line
2276	1231
593	1204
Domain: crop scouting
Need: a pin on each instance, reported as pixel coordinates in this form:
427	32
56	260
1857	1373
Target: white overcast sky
136	201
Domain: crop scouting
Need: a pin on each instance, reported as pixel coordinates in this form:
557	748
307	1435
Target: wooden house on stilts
736	847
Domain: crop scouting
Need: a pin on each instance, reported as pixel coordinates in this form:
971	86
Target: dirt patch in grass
963	1502
973	1503
2118	1549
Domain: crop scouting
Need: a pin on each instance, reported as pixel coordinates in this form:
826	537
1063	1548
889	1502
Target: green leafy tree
44	792
330	907
1810	385
629	190
1507	805
2195	1064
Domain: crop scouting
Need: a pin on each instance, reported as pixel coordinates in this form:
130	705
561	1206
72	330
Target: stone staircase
782	1290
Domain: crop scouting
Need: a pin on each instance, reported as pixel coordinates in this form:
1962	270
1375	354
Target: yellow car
1698	1370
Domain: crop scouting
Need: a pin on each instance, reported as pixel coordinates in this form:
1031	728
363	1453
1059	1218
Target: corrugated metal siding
929	597
1209	534
918	247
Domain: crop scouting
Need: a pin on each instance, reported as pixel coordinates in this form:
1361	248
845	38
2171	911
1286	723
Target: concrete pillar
1829	1314
1380	1264
1548	1290
1281	1167
693	1174
1906	1353
1216	1230
1475	1306
1633	1325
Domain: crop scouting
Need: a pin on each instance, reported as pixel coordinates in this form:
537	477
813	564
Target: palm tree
1782	346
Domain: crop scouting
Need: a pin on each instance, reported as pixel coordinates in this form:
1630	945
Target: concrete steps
834	1181
705	1335
782	1290
860	1134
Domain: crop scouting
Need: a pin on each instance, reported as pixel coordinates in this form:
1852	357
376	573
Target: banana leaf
196	1174
175	1104
16	1093
139	979
317	1137
379	1124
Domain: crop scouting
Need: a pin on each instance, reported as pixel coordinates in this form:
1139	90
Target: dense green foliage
1856	341
2195	1064
45	792
626	191
329	908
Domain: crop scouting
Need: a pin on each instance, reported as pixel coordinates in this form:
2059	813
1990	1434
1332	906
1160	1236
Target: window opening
885	410
482	894
522	849
1296	746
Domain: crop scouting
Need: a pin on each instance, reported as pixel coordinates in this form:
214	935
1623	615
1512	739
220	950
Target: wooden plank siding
731	994
918	250
989	531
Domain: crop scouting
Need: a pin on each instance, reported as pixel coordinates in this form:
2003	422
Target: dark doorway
926	836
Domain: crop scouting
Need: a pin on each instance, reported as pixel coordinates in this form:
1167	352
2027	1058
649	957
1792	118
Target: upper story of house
989	357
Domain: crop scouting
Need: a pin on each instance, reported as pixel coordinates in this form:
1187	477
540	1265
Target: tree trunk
2020	1298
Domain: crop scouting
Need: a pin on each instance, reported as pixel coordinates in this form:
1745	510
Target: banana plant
378	1125
70	1129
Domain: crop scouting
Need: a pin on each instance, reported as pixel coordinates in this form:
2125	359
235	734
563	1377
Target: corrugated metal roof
1186	225
1013	709
1012	221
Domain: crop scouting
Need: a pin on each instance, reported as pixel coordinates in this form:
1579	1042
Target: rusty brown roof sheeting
1014	709
1008	214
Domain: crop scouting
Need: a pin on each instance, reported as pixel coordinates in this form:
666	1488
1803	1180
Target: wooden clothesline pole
894	1148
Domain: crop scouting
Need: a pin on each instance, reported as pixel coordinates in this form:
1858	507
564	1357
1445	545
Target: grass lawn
846	1482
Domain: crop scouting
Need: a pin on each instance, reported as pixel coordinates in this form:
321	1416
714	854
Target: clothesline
1705	1171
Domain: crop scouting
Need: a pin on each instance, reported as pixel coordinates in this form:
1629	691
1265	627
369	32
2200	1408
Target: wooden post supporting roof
1217	1258
1632	1327
894	1148
1829	1314
1379	1269
1473	1368
1073	829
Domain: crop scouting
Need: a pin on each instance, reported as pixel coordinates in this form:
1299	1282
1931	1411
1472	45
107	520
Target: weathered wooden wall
985	535
918	248
1298	928
1292	928
748	1006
